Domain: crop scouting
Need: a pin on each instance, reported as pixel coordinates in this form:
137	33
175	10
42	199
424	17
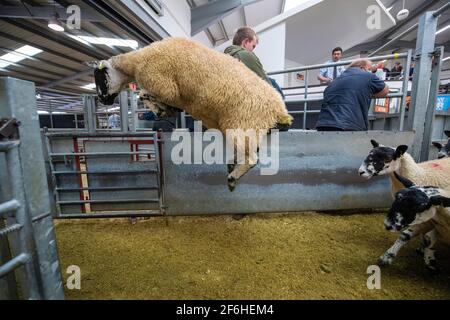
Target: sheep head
413	205
109	81
381	160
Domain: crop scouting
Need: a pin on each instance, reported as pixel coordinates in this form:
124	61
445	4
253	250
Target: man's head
336	54
246	38
364	64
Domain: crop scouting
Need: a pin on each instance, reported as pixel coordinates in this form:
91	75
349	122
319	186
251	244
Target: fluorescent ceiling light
443	29
90	86
55	24
389	9
110	42
42	112
13	57
445	59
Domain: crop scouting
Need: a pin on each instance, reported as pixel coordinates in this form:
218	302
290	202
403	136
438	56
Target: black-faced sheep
444	151
418	206
211	86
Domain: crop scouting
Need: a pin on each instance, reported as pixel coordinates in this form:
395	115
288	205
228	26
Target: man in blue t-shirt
347	99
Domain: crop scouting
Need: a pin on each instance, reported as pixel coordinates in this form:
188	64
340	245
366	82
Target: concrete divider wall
318	171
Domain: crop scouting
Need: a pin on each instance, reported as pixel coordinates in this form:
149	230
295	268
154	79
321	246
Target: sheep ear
447	133
92	64
437	145
374	143
406	182
400	151
440	201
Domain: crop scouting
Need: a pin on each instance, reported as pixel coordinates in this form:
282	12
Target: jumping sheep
444	151
211	86
417	206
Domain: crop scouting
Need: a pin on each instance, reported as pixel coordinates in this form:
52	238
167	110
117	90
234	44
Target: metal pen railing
307	94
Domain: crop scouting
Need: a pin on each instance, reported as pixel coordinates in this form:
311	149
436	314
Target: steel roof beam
46	12
212	12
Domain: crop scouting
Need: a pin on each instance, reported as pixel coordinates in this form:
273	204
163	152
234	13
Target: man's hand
383	93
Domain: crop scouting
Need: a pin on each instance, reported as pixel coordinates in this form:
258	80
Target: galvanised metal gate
17	245
106	175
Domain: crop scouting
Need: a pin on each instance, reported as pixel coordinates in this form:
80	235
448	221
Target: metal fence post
123	102
89	113
431	106
426	35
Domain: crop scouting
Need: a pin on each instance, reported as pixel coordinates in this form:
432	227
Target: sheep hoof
386	260
432	268
231	184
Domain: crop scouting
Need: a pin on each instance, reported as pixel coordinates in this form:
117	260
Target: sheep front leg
428	252
388	257
237	171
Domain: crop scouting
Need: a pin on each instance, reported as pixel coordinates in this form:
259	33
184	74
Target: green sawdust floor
304	256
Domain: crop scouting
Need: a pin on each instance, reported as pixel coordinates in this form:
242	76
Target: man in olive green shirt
244	42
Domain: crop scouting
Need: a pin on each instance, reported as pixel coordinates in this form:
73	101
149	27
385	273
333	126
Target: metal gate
113	174
19	249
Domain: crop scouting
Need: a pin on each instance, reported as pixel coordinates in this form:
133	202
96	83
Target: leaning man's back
347	100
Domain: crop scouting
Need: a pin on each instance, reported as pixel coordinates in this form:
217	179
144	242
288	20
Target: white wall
271	50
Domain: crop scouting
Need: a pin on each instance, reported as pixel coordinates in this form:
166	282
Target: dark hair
243	34
337	49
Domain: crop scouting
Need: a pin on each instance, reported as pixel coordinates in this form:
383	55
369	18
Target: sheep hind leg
428	252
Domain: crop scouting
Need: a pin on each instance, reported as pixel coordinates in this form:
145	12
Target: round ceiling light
55	24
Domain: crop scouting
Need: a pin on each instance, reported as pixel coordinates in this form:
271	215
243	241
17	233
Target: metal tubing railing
97	154
405	90
99	189
5	146
8	207
439	11
115	214
76	202
13	264
105	172
337	64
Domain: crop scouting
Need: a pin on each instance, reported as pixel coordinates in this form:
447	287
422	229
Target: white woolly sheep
444	151
418	206
211	86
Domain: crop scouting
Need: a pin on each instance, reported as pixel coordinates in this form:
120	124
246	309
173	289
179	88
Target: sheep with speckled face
417	206
211	86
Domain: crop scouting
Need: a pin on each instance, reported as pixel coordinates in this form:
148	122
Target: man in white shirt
114	121
327	75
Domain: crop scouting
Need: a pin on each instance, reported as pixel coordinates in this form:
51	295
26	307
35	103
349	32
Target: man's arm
322	77
383	93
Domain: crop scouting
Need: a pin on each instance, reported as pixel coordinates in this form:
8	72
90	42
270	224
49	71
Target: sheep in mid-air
211	86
